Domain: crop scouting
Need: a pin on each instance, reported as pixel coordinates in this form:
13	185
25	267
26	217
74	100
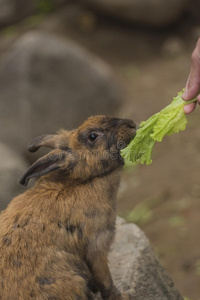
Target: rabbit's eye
92	136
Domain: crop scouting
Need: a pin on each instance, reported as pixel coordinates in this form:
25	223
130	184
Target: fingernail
184	95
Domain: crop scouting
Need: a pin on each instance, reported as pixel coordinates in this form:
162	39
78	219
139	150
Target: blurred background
62	61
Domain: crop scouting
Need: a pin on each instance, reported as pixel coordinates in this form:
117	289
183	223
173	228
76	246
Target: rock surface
12	168
135	268
153	12
48	83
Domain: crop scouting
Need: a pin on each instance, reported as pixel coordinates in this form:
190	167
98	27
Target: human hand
192	87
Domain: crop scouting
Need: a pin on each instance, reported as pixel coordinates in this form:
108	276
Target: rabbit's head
90	151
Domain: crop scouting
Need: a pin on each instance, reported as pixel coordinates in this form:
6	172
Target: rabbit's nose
132	124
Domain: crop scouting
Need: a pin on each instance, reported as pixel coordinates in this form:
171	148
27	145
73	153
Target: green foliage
45	6
177	221
33	21
28	23
169	120
143	212
9	31
131	72
140	215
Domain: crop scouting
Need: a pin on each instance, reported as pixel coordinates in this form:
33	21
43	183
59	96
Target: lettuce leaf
169	120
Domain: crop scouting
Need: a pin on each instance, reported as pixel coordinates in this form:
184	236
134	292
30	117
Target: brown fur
55	237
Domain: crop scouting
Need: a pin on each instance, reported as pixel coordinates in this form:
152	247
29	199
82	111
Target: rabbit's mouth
126	134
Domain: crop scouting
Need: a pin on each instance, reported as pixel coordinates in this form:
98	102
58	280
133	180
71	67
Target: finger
188	108
193	83
191	89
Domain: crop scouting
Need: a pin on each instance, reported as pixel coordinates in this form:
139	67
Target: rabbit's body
54	238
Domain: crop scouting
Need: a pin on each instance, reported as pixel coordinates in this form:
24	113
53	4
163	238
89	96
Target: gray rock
48	83
150	12
135	268
11	170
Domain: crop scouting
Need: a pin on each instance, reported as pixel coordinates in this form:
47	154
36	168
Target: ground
151	66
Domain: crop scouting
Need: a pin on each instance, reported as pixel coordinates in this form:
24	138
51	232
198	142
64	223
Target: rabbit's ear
44	165
46	140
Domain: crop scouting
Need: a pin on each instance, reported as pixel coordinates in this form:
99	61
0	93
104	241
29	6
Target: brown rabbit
55	237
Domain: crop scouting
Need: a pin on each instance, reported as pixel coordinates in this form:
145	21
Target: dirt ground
151	66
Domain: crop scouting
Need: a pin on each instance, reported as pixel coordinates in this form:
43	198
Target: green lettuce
169	120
